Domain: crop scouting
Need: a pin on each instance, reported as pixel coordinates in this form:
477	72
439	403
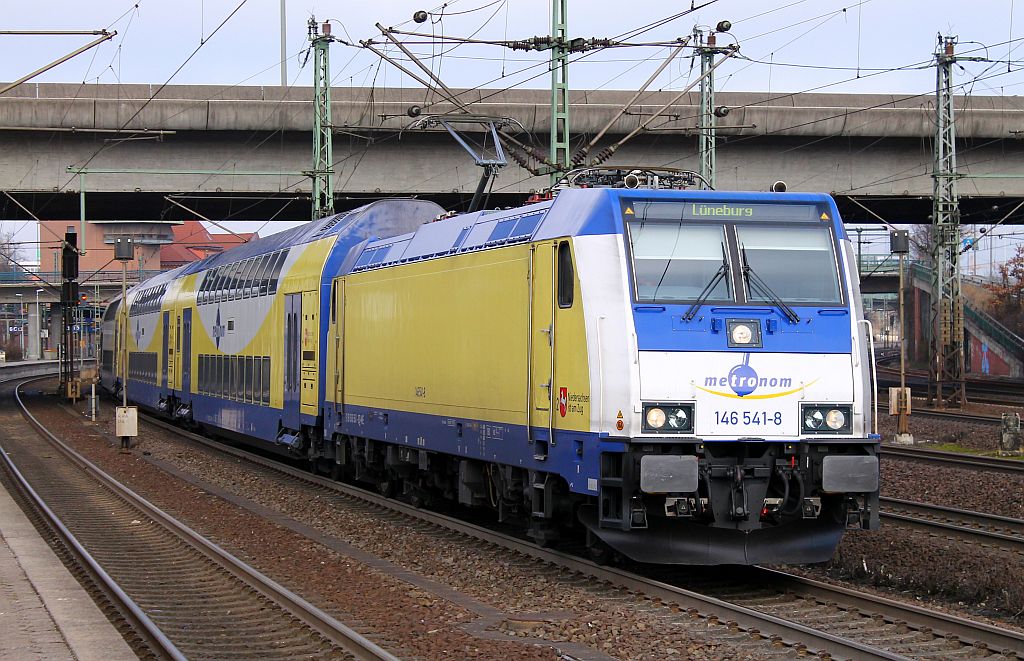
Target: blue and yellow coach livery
681	375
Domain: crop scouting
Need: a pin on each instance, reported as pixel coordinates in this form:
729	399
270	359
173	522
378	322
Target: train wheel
598	551
335	471
387	487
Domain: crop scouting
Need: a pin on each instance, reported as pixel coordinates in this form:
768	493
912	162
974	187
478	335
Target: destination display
675	210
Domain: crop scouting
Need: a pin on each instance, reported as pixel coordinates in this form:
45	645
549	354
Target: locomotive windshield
729	252
797	263
675	262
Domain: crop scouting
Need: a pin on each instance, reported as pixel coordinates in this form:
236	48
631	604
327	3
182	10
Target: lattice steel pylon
706	125
323	160
946	360
559	90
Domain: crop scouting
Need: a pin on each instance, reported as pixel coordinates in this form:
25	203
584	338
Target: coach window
218	285
256	365
257	274
247	378
243	278
266	380
566	283
275	274
252	286
261	275
236	280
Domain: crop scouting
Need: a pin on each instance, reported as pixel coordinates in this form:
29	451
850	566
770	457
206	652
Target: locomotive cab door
542	346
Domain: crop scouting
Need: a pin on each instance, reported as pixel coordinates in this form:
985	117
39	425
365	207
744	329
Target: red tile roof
192	242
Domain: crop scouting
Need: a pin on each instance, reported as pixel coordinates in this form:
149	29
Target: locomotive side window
565	275
675	262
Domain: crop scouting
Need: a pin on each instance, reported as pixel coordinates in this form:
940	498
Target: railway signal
69	298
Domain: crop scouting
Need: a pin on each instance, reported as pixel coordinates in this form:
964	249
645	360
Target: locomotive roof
573	212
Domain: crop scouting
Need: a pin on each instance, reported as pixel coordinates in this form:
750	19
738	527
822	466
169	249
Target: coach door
542	348
310	346
292	360
338	344
186	351
168	350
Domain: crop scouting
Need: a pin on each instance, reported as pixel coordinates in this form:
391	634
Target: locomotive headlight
741	334
670	418
678	419
826	418
655	417
835	419
813	419
745	333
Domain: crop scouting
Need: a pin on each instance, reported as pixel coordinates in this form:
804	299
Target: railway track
1003	532
184	596
801	614
920	412
956	459
981	391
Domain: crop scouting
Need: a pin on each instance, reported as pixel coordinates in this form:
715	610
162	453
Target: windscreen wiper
721	273
753	279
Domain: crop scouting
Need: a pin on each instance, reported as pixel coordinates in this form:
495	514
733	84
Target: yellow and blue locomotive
681	375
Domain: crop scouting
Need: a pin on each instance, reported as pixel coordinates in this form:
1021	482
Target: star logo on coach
218	329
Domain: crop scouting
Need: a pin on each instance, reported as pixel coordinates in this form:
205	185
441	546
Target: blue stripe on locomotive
573	454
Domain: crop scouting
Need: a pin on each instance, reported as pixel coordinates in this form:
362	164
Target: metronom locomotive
682	375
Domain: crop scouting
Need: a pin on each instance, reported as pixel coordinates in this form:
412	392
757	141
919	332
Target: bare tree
8	251
921	241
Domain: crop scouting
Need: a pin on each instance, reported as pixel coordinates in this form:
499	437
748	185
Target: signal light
69	256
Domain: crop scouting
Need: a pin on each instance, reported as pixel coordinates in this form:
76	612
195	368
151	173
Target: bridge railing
991	326
983	320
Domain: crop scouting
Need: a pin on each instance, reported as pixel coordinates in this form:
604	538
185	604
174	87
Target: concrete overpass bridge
872	149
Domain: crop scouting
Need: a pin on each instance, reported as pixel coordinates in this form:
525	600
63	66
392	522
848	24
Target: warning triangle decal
629	211
824	216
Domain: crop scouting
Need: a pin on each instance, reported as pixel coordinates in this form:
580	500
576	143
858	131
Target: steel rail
338	633
975	526
967	630
792	633
960	460
150	633
948	415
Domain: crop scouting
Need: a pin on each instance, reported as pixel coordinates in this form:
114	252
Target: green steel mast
559	90
323	170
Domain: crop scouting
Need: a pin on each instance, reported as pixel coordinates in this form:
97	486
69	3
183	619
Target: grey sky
814	44
158	36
